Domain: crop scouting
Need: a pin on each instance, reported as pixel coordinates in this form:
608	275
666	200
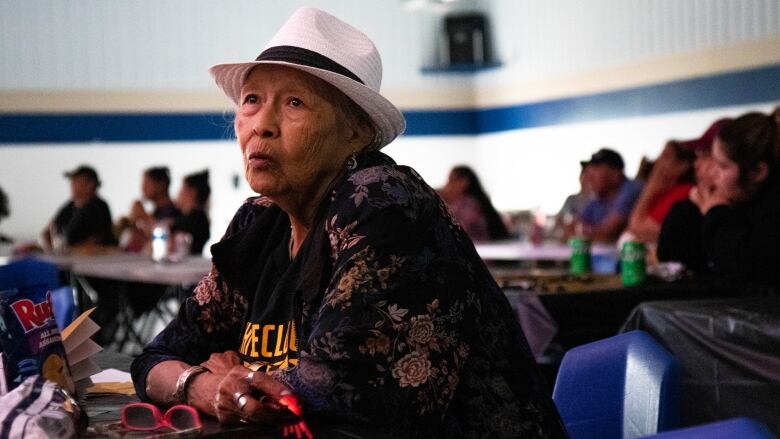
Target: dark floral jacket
399	323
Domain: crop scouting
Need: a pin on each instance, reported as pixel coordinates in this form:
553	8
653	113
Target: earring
352	162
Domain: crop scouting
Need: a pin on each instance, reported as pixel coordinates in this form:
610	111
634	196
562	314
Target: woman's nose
265	123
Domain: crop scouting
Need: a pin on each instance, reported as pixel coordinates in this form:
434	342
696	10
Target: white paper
111	376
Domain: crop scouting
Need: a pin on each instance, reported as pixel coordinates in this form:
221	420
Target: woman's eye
250	99
295	102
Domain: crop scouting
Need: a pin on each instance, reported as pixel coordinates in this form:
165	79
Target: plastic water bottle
160	237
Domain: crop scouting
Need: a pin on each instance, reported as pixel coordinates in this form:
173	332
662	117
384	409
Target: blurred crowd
84	222
711	203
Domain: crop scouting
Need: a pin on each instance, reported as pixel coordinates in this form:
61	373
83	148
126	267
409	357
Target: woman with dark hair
671	179
192	200
471	207
738	215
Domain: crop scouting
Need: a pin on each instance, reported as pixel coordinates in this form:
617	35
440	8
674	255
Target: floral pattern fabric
401	326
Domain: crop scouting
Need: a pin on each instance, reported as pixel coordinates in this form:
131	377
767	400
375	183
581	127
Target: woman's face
702	166
187	200
293	139
150	189
456	184
725	175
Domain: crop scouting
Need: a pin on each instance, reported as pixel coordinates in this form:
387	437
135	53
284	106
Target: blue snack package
29	337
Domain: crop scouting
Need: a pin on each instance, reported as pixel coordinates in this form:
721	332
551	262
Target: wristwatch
180	395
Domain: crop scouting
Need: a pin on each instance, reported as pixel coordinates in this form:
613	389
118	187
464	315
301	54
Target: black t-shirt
166	212
196	223
680	239
270	334
90	222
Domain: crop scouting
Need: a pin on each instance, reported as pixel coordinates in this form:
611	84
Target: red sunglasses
146	417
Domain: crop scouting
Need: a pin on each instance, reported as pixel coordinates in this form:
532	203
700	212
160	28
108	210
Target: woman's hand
222	363
666	172
137	211
705	198
247	396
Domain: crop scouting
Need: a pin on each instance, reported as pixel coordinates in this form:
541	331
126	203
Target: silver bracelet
180	395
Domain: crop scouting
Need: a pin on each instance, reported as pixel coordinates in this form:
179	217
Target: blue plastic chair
27	272
742	428
622	387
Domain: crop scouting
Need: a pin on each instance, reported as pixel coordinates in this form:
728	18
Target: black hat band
305	57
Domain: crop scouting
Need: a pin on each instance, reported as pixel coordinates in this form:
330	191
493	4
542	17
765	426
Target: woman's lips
259	161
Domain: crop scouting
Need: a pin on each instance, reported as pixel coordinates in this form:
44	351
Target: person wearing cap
606	215
729	227
345	287
85	219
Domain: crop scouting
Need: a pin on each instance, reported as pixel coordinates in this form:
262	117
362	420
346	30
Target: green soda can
580	255
632	263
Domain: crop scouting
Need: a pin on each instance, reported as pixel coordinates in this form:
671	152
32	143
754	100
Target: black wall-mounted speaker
467	39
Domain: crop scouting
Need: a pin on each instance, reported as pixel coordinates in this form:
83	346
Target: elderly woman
345	284
730	228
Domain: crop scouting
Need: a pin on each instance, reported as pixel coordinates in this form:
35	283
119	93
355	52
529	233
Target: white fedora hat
324	46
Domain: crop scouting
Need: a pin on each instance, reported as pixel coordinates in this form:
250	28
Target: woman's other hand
222	363
667	170
705	198
247	396
137	211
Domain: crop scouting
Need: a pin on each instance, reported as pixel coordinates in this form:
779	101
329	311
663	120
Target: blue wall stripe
733	88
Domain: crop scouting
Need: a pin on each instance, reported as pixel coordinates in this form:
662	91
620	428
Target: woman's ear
759	173
359	135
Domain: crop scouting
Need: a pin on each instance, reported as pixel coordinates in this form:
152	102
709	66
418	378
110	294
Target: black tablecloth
730	353
596	312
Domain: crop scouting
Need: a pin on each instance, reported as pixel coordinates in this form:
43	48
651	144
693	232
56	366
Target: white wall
537	39
50	47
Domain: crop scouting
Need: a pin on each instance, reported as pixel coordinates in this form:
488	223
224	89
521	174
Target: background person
738	215
346	283
85	219
606	215
192	202
572	208
135	230
670	181
681	228
471	206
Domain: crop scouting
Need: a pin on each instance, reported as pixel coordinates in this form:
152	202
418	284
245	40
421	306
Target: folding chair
622	387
